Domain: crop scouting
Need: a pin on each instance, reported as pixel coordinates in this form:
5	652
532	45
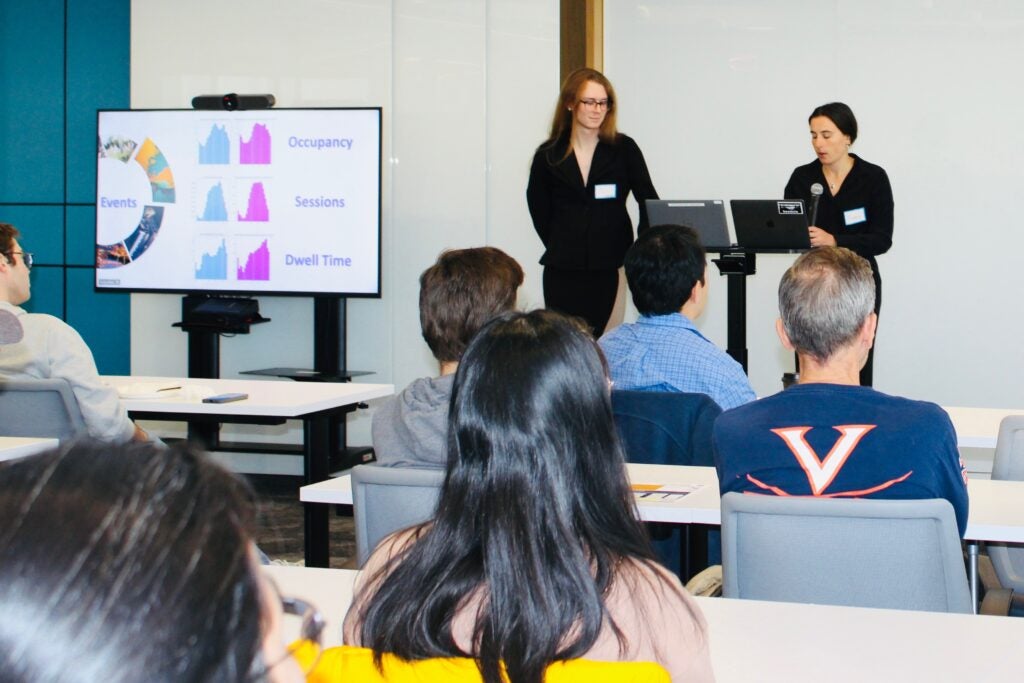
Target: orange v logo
820	473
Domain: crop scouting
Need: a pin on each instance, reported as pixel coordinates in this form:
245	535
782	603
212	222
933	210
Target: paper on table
664	492
149	390
164	390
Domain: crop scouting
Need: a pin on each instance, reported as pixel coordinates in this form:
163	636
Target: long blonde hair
563	120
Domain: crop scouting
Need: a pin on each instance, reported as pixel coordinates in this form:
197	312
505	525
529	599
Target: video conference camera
233	102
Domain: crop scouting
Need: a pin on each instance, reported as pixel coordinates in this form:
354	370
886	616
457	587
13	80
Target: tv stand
329	365
206	317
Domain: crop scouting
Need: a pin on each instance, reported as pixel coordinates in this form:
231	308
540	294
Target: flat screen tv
276	201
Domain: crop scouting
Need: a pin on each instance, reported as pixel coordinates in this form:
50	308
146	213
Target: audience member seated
458	294
664	351
827	436
50	348
534	555
133	562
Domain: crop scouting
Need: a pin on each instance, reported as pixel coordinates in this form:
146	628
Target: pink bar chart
256	210
257	264
257	149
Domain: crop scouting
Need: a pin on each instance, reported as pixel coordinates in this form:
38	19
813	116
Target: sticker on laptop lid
791	208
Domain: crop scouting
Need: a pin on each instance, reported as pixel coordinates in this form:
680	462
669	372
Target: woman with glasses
535	554
579	181
134	563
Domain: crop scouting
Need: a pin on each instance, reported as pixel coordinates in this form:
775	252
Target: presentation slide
272	201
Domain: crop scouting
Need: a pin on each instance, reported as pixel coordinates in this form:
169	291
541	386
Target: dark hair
564	117
463	290
8	233
824	299
662	268
122	563
841	115
535	510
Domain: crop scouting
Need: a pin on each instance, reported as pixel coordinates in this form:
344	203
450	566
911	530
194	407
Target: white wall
467	88
718	94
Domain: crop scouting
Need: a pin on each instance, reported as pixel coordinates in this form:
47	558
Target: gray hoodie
411	429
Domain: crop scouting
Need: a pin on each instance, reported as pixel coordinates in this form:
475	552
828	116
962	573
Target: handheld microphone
816	191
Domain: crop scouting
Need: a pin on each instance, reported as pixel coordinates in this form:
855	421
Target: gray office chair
1008	560
386	499
40	408
900	554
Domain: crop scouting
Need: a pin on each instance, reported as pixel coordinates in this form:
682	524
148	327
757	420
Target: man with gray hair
828	436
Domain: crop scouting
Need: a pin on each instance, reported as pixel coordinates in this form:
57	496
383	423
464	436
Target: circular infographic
130	203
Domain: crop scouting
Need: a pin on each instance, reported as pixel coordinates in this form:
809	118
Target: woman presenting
855	209
579	181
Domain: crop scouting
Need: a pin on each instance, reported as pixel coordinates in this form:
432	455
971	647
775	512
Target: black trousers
867	372
586	294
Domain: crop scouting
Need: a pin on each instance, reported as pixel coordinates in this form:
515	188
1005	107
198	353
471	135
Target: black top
860	216
586	227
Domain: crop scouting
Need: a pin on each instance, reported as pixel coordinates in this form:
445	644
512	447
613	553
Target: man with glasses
50	348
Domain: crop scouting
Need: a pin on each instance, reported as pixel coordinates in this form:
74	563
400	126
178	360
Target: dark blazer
865	190
580	231
665	428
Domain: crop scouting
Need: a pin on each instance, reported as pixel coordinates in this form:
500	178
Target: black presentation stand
736	265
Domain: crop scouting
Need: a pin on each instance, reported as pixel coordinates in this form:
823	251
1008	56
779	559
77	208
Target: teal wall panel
47	284
32	115
81	236
42	230
61	61
102	319
98	49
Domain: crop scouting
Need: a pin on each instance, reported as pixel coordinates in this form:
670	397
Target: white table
775	641
12	447
996	507
269	400
978	427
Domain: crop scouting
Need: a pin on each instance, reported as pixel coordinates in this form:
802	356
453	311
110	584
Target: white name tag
855	216
604	191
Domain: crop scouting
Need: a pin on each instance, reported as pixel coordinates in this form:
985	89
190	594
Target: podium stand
736	265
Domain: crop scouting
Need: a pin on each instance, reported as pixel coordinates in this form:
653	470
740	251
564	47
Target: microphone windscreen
11	331
817	190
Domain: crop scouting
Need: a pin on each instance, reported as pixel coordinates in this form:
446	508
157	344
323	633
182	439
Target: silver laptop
706	216
770	224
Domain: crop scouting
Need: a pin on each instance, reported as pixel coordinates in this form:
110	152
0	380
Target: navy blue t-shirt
840	441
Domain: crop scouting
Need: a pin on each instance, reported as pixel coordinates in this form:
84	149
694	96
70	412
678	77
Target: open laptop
706	216
770	224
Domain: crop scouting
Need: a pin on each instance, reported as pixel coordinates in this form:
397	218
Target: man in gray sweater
460	293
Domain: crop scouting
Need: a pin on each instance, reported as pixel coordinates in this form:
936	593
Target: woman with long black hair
535	554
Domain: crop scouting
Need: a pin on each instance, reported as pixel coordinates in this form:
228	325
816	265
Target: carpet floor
280	523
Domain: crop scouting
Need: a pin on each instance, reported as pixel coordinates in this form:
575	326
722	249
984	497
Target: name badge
855	216
606	191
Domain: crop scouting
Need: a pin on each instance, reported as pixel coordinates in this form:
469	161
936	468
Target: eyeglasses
25	257
306	650
596	104
310	632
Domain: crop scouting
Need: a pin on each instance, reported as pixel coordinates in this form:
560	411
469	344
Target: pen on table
168	389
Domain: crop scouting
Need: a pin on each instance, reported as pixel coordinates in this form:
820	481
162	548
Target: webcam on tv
233	102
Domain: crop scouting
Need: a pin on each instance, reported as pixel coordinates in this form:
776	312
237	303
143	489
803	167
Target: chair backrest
347	663
39	407
386	499
900	554
665	428
1008	561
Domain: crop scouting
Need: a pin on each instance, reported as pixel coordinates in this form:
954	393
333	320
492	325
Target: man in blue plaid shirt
663	351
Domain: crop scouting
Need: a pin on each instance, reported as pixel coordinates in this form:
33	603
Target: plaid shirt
667	353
